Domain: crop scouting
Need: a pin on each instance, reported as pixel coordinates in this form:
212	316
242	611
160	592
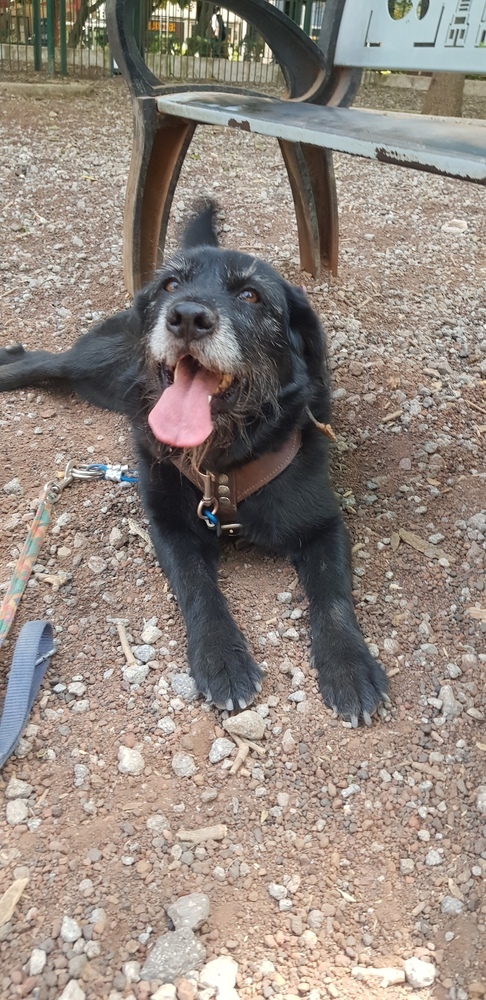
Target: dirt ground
376	838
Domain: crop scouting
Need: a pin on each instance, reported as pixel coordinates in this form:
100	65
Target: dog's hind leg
20	368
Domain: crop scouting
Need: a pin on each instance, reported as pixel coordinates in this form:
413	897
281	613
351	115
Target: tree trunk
444	96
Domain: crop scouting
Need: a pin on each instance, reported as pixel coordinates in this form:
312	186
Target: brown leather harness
223	492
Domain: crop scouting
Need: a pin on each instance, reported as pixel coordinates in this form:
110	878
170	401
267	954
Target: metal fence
188	40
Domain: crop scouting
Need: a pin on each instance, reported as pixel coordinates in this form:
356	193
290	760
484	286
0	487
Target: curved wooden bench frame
161	141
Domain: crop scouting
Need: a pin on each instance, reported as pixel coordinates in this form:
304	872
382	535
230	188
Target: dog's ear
305	327
201	230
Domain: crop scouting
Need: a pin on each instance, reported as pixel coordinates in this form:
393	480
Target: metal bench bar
449	146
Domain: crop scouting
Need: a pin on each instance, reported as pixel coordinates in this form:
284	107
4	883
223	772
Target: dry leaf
347	896
10	898
478	613
217	832
394	541
418	543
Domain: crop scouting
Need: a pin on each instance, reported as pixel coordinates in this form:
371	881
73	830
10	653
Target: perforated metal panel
447	35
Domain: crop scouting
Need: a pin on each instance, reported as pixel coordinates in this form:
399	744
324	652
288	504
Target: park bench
322	80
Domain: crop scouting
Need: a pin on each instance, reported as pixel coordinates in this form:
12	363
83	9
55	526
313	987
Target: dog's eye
249	295
171	284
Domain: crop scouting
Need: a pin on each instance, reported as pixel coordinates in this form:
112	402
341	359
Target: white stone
135	674
183	765
284	597
144	653
96	564
277	891
433	858
132	971
481	799
18	789
247	724
157	823
72	991
130	761
189	911
219	973
220	748
288	742
418	973
70	929
17	811
451	708
151	634
166	725
165	992
37	962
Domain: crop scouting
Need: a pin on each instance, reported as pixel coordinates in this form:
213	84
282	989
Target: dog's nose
190	321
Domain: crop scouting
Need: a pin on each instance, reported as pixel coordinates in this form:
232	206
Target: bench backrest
438	35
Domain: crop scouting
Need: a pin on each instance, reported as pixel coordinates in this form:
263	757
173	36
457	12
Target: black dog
220	363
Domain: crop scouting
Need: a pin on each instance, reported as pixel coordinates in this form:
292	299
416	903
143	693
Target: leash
35	645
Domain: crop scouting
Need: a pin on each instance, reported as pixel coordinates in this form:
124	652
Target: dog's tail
201	230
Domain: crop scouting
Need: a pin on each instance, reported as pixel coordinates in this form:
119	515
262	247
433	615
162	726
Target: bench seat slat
451	146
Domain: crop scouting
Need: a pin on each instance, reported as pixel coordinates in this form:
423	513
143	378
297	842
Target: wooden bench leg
311	176
159	147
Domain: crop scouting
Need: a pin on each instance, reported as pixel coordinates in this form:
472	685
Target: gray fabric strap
32	654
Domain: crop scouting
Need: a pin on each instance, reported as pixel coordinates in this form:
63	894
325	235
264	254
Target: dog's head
234	353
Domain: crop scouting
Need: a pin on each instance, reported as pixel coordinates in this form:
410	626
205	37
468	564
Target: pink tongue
182	416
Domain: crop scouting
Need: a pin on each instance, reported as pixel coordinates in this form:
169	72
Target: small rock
151	634
481	799
144	653
183	766
17	812
433	858
314	919
97	565
418	973
117	538
37	962
220	973
72	991
189	911
277	891
13	488
220	749
455	227
131	971
70	929
451	906
174	954
185	686
130	761
157	824
167	726
247	724
284	597
451	708
165	992
288	742
18	789
76	966
135	674
407	866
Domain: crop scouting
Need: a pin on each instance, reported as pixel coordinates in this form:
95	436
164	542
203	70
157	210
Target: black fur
274	346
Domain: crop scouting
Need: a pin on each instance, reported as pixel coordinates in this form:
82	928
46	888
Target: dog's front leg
187	552
350	679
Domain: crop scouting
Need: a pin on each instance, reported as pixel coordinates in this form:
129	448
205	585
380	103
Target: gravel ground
333	848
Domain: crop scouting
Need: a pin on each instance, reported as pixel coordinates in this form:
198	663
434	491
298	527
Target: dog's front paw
10	354
224	671
351	681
